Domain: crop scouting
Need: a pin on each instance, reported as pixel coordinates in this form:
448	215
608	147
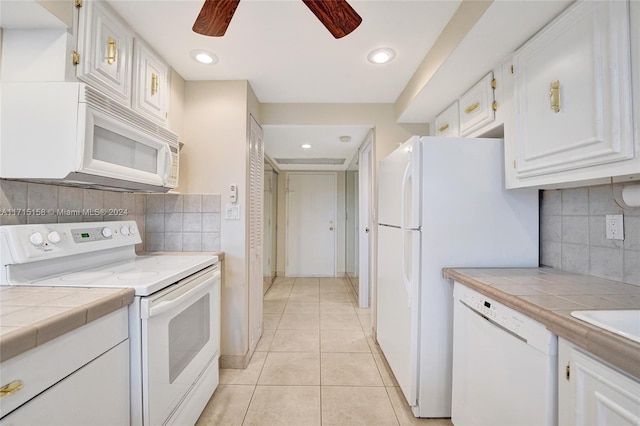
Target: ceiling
288	56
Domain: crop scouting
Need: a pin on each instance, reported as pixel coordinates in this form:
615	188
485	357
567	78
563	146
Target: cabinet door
573	91
151	83
477	106
96	394
105	47
447	122
592	393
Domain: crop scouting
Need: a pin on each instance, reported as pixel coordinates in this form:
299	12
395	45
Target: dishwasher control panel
493	311
520	325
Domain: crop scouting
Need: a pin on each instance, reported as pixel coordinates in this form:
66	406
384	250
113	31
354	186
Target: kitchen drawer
45	365
477	106
448	123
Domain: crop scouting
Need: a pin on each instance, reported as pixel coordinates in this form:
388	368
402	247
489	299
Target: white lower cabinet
591	392
96	394
80	378
573	99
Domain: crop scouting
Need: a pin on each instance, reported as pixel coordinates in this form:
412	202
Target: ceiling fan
336	15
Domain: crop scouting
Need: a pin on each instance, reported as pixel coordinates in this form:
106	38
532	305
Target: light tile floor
315	365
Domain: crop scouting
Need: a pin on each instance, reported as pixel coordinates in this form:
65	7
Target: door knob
331	228
366	230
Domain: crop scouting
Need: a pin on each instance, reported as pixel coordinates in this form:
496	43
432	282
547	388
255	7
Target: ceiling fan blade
339	18
214	17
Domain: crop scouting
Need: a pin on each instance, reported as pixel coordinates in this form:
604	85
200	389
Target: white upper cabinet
477	106
151	83
447	123
105	46
573	100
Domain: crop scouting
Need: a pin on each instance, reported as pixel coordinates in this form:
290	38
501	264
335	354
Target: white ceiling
288	56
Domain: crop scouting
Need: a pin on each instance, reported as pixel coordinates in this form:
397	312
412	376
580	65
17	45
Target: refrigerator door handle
405	178
405	276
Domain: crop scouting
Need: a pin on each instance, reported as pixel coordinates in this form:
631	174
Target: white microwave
69	133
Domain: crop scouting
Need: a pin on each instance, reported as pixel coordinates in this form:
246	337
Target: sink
625	323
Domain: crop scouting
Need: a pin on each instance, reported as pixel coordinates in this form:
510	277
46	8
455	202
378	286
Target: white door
365	221
256	284
311	224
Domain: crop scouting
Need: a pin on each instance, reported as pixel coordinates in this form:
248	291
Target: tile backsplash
572	233
168	222
182	222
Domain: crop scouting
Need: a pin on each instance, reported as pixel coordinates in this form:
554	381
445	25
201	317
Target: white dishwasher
504	365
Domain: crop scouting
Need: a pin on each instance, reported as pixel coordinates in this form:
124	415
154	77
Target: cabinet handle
554	96
10	388
443	128
154	83
111	51
472	108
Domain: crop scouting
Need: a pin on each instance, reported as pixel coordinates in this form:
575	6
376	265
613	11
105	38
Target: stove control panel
27	243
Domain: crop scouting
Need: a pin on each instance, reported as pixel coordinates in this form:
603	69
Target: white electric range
174	321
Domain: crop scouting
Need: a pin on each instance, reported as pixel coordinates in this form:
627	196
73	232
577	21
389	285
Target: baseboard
234	361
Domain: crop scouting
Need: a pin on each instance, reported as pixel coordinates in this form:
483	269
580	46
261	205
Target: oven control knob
36	239
54	237
106	232
124	230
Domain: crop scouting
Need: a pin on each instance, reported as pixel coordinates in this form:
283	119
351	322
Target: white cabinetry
447	122
477	106
89	396
80	378
573	104
150	82
591	392
105	45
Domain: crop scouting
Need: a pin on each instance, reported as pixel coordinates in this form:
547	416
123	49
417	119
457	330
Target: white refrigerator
441	203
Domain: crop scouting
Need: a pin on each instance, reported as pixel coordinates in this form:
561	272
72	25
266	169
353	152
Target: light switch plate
614	227
232	212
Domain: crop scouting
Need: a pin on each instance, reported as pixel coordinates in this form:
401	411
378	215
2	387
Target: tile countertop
31	316
549	295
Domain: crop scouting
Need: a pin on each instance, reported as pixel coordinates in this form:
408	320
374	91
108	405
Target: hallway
315	365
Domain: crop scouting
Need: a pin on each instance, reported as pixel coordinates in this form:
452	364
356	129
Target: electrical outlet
614	227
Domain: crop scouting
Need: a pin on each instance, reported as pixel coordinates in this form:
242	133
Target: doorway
270	202
311	224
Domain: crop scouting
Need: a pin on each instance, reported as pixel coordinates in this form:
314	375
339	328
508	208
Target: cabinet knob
10	388
154	83
554	96
111	50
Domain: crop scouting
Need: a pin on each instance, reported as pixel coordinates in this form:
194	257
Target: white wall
214	157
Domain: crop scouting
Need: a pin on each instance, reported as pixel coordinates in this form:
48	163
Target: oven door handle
198	286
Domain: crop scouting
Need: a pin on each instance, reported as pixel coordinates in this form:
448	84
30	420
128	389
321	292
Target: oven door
180	338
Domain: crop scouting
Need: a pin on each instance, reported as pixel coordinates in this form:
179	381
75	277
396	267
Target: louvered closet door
256	177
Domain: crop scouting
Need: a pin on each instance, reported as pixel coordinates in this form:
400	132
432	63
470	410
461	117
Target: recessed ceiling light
204	56
381	55
305	146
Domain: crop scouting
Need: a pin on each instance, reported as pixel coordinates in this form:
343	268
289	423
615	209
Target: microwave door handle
167	163
200	289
